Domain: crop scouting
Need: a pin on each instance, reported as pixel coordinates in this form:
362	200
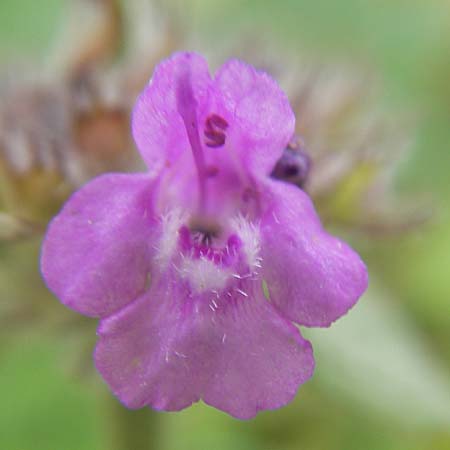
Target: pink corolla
199	268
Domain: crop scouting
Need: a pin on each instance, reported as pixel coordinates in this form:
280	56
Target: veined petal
96	256
179	86
170	349
260	358
148	351
313	277
261	119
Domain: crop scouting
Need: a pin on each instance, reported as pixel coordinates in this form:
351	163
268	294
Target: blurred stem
7	193
131	429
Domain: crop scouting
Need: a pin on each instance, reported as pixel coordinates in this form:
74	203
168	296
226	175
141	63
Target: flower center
207	262
206	242
208	255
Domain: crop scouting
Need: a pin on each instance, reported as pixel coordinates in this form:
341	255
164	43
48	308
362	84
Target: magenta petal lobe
263	121
260	358
144	352
313	277
96	256
167	109
170	349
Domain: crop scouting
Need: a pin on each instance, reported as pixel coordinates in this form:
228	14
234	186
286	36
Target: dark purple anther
214	132
217	121
293	166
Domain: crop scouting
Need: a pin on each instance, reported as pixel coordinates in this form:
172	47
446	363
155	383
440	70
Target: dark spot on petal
218	121
214	131
211	171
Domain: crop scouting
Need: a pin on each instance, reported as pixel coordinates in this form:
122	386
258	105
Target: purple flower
174	261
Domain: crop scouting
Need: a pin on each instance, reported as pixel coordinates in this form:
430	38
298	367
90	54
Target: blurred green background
382	373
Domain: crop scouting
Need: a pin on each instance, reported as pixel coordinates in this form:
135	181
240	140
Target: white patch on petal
204	275
250	236
170	226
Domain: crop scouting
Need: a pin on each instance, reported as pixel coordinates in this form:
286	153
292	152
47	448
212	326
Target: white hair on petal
250	236
167	244
203	274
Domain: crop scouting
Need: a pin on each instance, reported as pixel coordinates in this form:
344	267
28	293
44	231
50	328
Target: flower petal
97	251
179	86
260	358
147	354
262	119
313	278
170	349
